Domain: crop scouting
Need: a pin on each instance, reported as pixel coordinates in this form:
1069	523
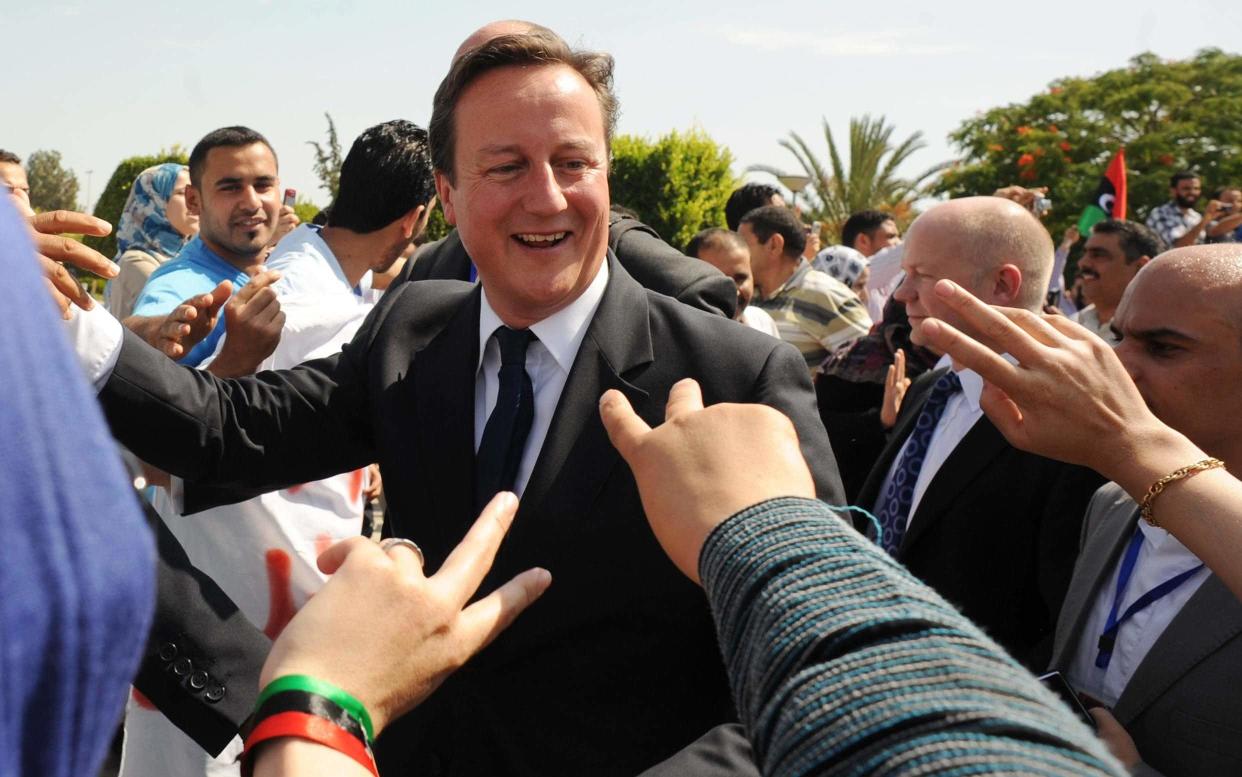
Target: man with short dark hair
235	191
813	311
746	198
1113	255
870	231
462	391
1177	222
13	178
727	252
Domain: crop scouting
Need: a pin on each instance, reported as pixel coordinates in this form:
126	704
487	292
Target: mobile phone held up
290	196
1056	682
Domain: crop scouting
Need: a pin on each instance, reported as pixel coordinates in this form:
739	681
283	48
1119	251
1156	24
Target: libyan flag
1110	198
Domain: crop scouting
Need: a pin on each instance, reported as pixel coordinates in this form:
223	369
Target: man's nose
543	193
903	293
251	198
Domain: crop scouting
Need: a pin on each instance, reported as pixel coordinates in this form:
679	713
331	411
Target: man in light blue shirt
235	191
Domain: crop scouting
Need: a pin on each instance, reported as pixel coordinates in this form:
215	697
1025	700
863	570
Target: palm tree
870	181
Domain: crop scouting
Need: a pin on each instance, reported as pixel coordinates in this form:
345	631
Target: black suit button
198	680
183	667
168	651
214	693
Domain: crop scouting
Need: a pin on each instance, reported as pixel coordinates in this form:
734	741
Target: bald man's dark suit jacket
616	667
656	265
1182	706
996	532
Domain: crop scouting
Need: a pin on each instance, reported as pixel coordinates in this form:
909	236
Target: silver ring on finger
393	542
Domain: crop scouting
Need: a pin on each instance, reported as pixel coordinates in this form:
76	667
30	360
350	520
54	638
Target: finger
219	295
257	283
969	353
61	300
1018	333
1070	329
66	284
899	360
1003	412
66	249
408	560
685	397
59	222
483	621
625	429
468	564
332	558
890	379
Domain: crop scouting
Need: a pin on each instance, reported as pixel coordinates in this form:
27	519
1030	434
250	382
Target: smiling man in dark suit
459	391
992	529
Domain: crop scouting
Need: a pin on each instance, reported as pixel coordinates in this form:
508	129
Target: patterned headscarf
144	222
841	262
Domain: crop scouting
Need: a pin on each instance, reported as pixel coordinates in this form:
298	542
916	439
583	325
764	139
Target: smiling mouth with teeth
540	241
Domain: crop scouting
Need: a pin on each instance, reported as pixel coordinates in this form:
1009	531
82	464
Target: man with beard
1177	222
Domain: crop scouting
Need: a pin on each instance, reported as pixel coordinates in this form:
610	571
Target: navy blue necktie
893	508
504	437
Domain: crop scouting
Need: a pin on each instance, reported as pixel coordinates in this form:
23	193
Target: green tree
305	209
52	187
437	225
1169	116
678	184
869	180
328	160
112	202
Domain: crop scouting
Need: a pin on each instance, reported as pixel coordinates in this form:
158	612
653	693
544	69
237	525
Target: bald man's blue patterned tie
893	508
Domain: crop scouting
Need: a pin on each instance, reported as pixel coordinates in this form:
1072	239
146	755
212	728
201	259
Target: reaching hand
1068	392
895	385
253	322
703	465
186	326
1114	735
53	249
388	634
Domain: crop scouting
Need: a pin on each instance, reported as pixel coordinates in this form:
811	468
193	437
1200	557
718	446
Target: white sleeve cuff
95	337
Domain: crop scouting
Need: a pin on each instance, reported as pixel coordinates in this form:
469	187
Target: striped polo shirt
816	313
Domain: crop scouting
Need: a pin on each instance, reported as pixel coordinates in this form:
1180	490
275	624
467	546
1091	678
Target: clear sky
99	81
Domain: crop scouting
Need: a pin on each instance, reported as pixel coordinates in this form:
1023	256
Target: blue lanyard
1109	638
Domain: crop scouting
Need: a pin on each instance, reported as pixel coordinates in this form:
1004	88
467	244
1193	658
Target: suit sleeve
202	661
250	435
785	385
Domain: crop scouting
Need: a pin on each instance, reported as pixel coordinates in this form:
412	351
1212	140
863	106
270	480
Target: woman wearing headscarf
154	226
846	265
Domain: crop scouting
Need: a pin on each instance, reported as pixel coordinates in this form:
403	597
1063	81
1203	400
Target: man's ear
1007	286
776	244
193	202
444	188
1141	262
412	223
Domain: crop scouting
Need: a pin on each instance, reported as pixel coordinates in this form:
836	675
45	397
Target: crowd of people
901	505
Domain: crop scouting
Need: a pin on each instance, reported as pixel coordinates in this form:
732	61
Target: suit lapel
443	385
1211	617
577	457
1097	560
978	449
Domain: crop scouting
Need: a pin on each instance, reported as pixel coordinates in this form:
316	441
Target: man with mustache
1114	254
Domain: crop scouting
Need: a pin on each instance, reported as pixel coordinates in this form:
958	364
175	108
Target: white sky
104	80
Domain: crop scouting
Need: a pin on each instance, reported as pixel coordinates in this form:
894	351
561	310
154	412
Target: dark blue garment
77	564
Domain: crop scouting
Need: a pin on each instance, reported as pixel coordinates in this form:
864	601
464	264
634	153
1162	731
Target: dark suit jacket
616	667
656	265
996	532
202	660
1182	706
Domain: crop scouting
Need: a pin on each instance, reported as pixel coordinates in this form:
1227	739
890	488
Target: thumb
219	295
625	429
334	557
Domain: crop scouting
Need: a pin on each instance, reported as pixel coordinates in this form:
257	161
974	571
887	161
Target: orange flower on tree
1023	130
1065	146
1026	160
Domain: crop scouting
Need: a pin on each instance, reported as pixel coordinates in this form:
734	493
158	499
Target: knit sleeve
841	662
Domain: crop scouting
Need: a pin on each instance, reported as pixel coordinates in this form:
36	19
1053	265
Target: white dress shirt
759	320
961	413
1160	558
548	362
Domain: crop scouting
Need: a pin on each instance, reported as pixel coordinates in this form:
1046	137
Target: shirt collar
792	281
972	382
560	333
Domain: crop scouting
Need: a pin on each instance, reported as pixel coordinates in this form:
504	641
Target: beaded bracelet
1157	488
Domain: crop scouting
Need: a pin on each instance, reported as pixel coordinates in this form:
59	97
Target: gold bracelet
1160	485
